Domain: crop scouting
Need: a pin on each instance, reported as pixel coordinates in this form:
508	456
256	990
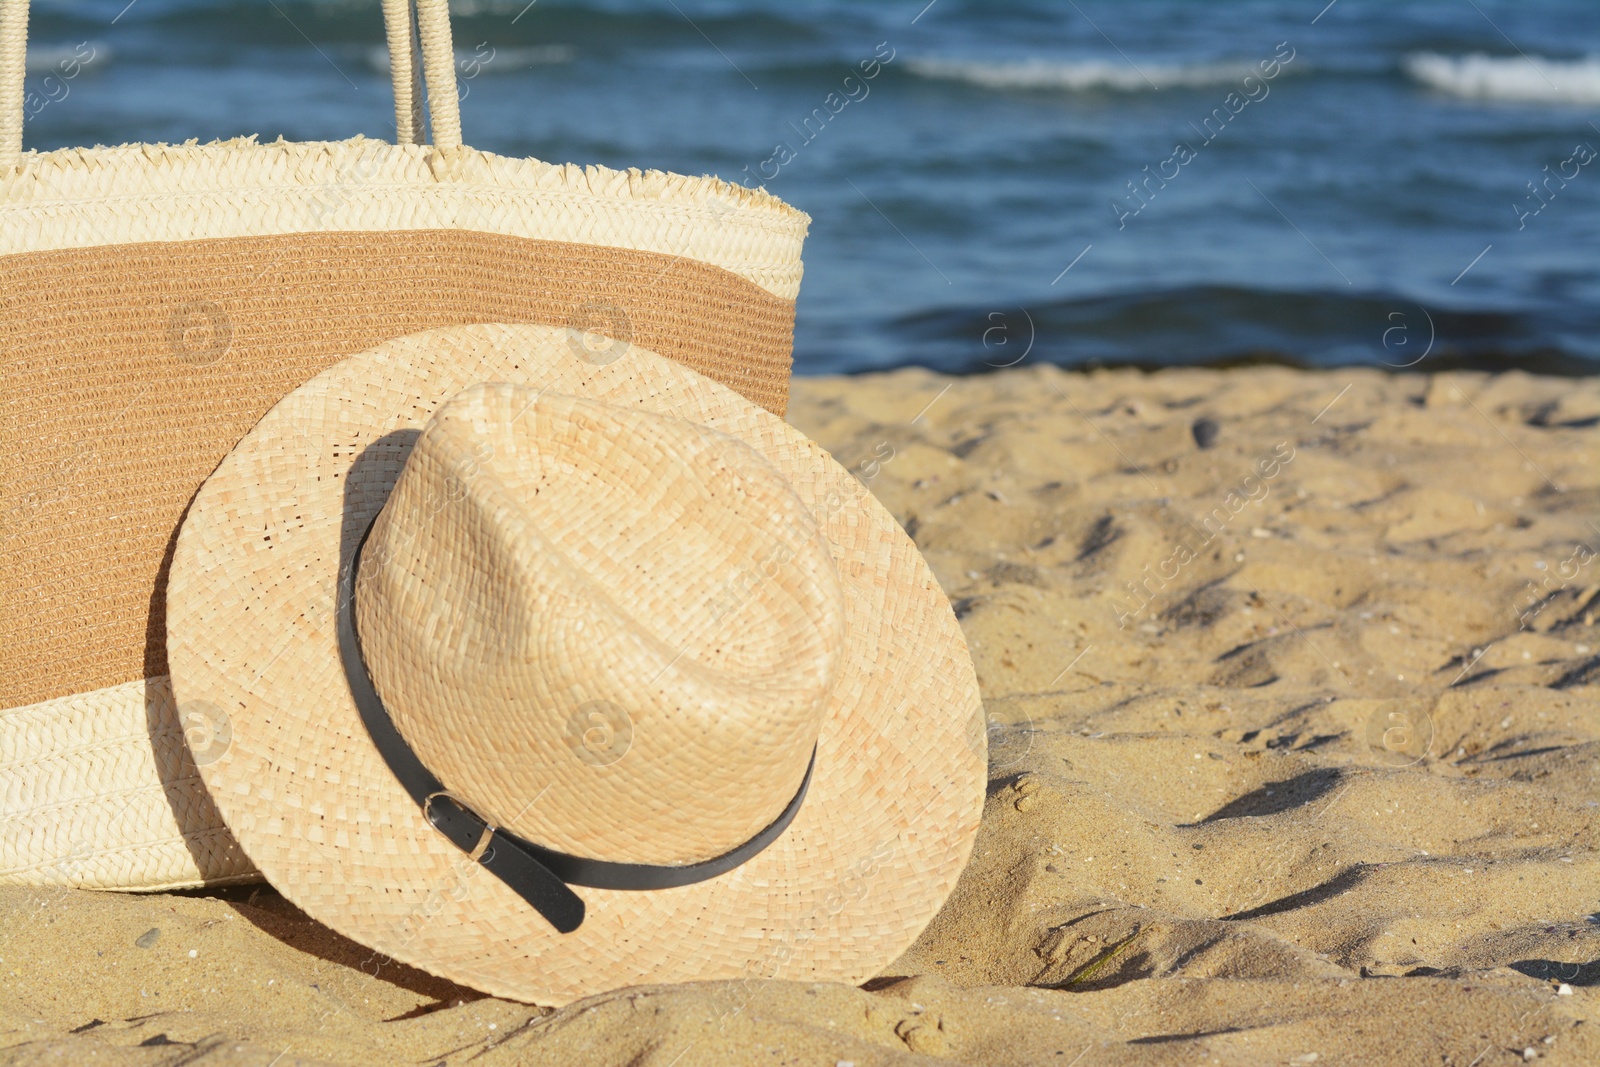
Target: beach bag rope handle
412	27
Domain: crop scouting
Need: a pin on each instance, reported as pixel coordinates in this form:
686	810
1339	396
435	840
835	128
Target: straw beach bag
156	300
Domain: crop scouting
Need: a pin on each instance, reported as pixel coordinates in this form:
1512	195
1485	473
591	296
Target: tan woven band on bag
131	370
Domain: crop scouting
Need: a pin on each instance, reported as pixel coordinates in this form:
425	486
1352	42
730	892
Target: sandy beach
1293	691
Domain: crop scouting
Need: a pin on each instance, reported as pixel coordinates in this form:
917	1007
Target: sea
1411	185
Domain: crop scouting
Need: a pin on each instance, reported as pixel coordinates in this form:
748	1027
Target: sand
1295	759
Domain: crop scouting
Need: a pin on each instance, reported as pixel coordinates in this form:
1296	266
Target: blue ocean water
1146	182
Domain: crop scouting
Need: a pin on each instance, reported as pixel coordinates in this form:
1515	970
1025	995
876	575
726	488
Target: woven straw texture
206	321
155	300
100	791
547	569
883	834
83	197
106	442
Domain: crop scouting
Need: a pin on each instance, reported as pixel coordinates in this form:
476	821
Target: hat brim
883	834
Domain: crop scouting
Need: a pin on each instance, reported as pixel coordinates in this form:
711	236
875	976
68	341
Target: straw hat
550	674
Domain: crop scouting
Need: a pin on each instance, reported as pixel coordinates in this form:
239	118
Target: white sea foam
1533	79
1078	75
496	61
67	58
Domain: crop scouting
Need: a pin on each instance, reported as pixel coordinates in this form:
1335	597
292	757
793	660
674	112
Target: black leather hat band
543	877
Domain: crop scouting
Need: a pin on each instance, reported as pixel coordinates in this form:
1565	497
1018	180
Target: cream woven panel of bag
156	300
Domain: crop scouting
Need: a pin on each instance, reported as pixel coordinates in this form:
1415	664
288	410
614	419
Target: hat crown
611	632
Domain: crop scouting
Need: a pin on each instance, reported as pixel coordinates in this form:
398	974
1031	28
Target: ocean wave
495	61
1229	325
1078	75
1535	79
67	58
